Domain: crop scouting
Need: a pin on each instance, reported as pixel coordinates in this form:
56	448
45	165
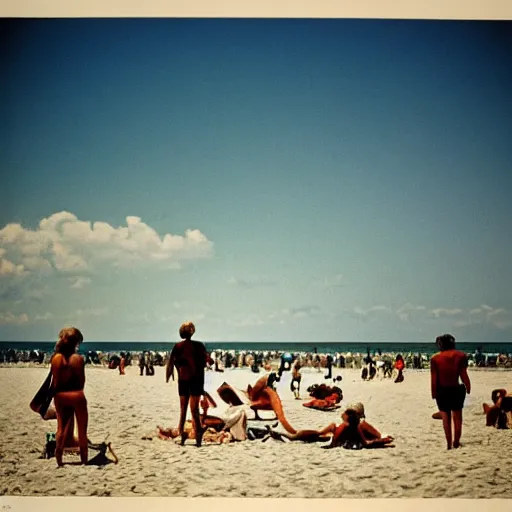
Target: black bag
43	398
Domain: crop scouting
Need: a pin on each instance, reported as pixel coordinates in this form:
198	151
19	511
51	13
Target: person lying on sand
329	404
325	398
306	436
314	436
209	435
499	414
351	435
322	391
231	427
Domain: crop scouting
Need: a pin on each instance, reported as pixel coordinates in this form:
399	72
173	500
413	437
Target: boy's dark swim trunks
193	387
451	398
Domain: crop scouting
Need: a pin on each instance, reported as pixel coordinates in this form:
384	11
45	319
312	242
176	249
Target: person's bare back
448	366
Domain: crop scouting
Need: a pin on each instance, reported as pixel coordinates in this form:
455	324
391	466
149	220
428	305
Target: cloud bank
63	243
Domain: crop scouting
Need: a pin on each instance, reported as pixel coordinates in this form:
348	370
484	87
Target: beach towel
41	401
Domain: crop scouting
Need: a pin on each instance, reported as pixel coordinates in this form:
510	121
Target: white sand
129	407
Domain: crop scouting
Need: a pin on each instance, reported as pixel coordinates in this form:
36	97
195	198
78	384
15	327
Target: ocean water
321	347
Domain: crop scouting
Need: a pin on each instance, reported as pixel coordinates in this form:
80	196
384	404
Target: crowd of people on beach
65	383
221	359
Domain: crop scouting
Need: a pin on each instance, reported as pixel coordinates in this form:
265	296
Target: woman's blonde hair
69	338
358	407
187	330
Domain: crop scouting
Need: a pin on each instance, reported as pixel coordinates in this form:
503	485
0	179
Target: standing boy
446	367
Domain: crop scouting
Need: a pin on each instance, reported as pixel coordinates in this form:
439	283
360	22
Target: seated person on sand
261	398
313	436
231	427
352	435
499	415
71	443
325	397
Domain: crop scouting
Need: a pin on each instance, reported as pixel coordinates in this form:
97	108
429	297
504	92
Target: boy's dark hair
445	342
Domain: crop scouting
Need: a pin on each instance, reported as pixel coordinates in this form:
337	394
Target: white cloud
92	312
8	268
79	282
9	318
441	312
250	282
405	311
45	316
66	244
500	318
301	312
374	309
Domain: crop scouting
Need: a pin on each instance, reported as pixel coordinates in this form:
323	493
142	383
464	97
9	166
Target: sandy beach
130	407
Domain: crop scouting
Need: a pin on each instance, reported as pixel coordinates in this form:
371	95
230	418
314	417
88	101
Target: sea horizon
285	346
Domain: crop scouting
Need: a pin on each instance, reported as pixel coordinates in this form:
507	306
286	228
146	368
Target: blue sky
330	180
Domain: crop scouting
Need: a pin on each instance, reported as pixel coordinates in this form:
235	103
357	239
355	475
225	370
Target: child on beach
122	364
399	367
296	378
446	367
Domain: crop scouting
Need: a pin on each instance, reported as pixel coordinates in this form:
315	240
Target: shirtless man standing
445	369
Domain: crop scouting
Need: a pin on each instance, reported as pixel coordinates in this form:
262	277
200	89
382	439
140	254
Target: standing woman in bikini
189	357
68	387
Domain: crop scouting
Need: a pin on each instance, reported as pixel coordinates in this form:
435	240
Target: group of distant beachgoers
65	383
222	359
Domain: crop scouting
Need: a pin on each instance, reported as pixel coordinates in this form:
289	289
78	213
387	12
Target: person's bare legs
328	430
183	417
447	425
82	421
457	428
196	420
64	414
69	433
